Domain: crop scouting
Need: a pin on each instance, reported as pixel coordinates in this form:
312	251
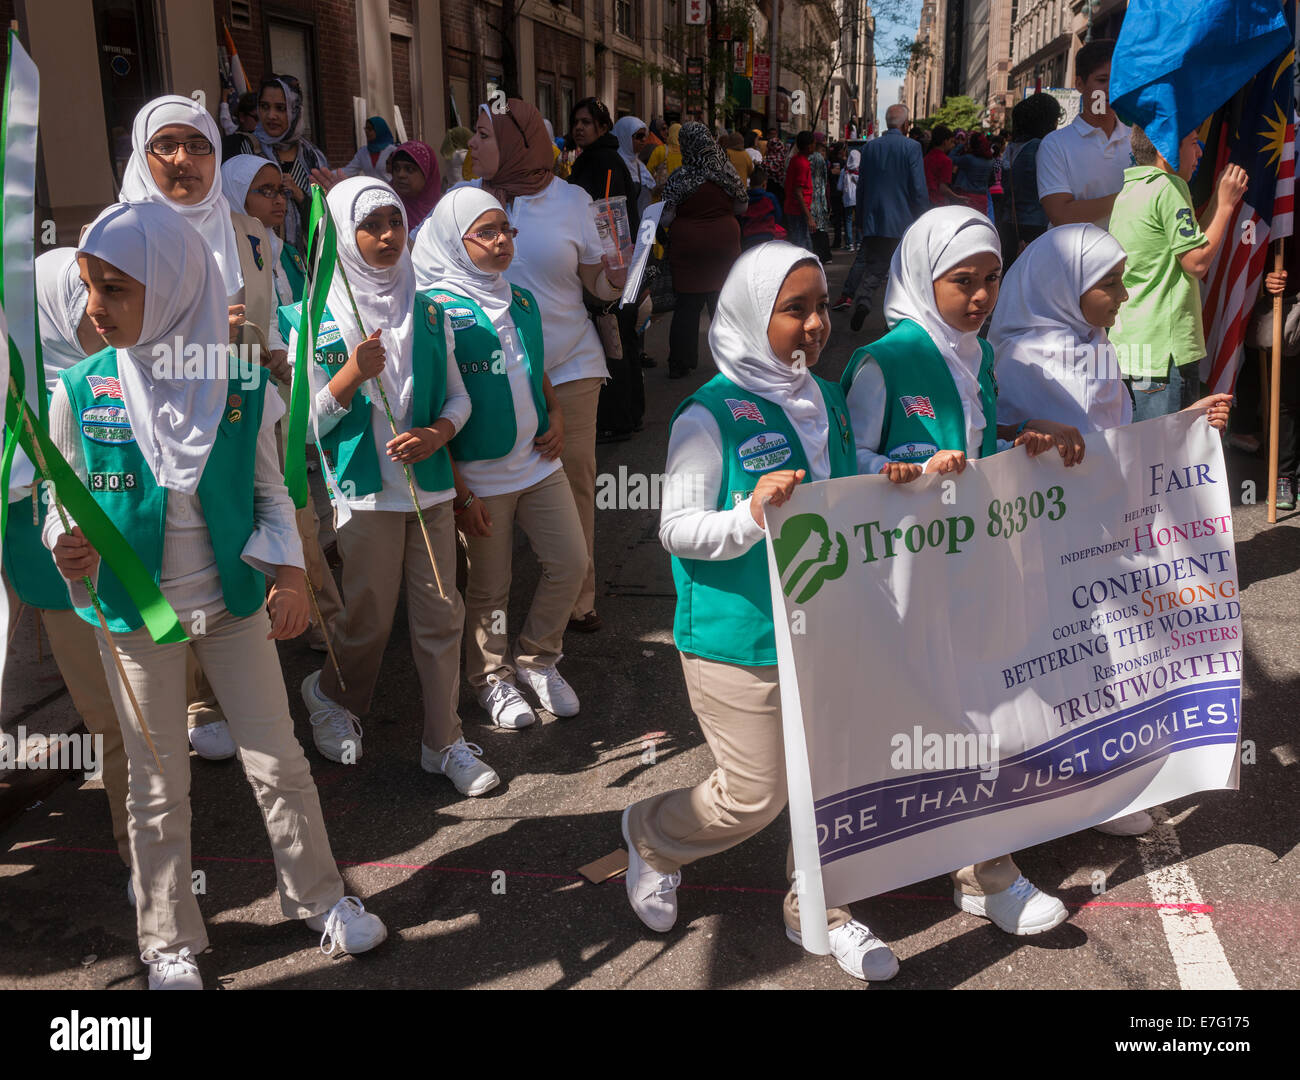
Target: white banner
978	663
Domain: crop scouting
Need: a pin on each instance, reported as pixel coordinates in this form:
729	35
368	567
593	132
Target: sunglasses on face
169	148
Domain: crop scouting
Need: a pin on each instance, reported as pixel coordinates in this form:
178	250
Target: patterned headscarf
702	161
775	162
417	209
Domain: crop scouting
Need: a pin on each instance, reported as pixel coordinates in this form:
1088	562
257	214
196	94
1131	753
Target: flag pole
43	465
1275	391
392	423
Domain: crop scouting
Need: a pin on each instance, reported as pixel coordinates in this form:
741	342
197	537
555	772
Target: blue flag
1176	62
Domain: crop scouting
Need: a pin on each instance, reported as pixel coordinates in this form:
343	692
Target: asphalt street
485	892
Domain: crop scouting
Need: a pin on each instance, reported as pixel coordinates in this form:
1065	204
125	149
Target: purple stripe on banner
867	817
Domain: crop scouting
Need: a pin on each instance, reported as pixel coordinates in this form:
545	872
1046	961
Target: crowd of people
470	358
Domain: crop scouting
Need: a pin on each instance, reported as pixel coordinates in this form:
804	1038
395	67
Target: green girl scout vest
350	444
923	412
29	565
491	432
724	607
121	482
294	270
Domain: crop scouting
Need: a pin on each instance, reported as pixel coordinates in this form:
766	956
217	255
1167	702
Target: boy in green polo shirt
1158	334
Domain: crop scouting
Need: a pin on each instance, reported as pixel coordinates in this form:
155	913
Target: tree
834	23
956	112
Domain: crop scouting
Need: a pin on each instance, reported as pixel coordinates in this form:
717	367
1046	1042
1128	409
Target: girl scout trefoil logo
807	556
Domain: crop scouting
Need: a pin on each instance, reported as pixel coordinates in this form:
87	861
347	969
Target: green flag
321	254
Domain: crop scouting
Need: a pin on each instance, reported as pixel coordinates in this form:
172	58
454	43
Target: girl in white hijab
625	131
507	458
747	438
213	524
1049	334
67	335
400	343
239	243
923	397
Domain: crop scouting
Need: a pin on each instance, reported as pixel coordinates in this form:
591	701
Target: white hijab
211	215
1051	363
624	130
385	298
742	352
934	243
175	421
237	174
61	298
441	260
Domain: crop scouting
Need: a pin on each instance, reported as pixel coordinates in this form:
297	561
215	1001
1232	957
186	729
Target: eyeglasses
640	134
490	235
271	192
169	148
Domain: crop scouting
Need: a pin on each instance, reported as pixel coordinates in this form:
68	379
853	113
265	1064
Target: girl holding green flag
187	470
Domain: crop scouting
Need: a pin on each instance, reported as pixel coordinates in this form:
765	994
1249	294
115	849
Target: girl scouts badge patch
257	250
234	413
764	452
106	424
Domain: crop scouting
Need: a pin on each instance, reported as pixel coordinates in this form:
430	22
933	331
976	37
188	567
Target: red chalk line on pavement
1204	909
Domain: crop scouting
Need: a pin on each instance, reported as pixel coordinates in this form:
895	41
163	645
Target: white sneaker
172	971
335	731
1134	824
653	895
508	708
858	951
553	693
460	764
1021	909
348	926
213	741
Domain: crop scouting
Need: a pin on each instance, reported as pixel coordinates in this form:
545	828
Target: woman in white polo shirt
557	255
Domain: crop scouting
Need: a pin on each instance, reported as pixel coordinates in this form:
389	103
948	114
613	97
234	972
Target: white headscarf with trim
742	352
211	215
175	420
385	298
442	261
934	243
1051	363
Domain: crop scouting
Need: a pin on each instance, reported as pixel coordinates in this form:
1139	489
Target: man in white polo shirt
1081	166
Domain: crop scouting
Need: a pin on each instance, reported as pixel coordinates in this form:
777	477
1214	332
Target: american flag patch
744	410
917	406
104	385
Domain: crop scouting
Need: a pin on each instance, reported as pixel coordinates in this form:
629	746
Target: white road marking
1198	954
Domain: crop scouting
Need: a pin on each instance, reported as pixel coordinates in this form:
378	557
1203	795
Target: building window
546	101
624	21
241	14
568	98
128	69
292	52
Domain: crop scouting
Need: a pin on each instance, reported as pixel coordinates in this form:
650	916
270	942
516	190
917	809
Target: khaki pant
986	878
381	549
579	400
739	709
245	672
72	640
203	707
549	519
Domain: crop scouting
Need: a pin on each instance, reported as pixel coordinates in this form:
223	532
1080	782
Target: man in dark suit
891	195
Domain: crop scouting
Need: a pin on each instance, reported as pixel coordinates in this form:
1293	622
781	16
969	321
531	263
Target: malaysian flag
917	406
101	385
744	410
1255	130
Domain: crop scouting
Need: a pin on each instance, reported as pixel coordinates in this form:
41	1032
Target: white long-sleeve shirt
189	579
393	495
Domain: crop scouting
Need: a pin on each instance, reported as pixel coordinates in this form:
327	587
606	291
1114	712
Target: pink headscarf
418	208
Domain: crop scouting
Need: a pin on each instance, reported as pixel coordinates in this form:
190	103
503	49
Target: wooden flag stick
1275	392
90	586
392	423
325	633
